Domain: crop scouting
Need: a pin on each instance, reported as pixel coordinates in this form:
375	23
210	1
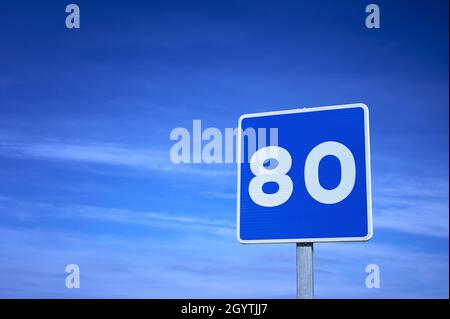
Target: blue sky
85	118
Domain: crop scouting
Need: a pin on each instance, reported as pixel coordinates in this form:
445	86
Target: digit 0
348	172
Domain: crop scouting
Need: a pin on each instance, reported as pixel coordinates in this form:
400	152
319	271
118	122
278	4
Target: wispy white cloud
340	269
219	195
146	268
190	267
413	206
154	219
422	272
117	266
107	154
166	220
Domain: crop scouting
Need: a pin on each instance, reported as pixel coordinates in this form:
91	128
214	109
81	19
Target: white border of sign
368	175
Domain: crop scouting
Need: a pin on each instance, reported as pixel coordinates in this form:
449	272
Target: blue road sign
304	175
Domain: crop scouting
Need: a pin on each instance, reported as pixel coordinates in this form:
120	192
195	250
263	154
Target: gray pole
305	271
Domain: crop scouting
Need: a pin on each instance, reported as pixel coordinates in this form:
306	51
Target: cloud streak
180	222
417	207
106	154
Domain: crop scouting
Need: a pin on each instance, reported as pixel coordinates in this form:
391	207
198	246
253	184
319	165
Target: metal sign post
305	271
300	209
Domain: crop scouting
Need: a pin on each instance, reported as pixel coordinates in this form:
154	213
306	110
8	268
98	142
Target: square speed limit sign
310	182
